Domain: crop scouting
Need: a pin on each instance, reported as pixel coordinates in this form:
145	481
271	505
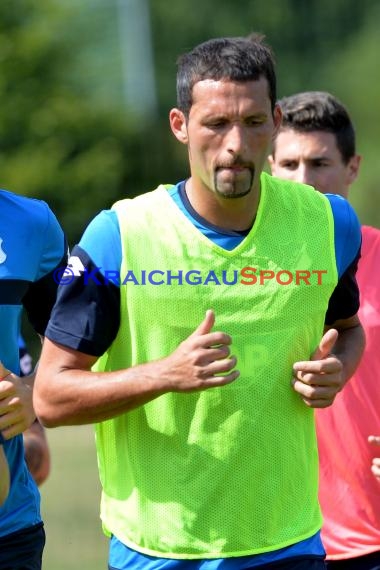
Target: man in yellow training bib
203	394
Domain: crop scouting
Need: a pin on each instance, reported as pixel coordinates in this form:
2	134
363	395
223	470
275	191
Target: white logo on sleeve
75	265
3	255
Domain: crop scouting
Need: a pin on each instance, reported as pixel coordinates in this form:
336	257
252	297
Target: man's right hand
202	360
375	468
67	392
16	406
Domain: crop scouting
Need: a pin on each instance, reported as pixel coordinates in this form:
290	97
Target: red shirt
349	492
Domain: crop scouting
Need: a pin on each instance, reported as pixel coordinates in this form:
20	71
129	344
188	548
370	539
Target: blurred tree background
76	127
85	90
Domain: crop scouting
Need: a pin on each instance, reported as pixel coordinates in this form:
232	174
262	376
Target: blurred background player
316	146
31	252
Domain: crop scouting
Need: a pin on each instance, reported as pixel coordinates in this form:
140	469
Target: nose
304	174
236	139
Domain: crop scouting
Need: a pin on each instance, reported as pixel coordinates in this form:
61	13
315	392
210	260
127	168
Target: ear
178	125
277	120
271	163
353	168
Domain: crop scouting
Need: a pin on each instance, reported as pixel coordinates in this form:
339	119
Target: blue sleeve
101	241
347	232
54	244
86	316
344	301
40	297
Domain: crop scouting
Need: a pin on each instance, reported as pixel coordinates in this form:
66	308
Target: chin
233	193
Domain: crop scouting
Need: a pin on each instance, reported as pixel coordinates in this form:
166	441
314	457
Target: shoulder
36	232
293	194
103	228
370	248
143	205
32	209
342	210
35	216
347	232
371	236
346	222
101	241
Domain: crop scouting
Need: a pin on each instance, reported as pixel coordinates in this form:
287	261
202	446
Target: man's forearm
37	454
4	476
349	347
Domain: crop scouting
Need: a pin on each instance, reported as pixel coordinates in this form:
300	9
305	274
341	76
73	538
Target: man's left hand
320	379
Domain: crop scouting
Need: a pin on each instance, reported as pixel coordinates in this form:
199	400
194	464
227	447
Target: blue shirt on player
32	245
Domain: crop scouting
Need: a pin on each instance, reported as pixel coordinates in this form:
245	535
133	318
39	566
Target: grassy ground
70	503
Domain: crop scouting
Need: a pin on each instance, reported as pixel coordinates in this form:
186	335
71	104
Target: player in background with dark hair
316	146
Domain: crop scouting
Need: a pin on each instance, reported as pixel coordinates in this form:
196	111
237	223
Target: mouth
234	168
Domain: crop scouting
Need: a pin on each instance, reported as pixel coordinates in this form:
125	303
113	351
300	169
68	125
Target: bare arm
320	379
68	393
37	453
350	345
4	476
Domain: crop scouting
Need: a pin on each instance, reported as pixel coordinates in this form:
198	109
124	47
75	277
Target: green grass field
70	503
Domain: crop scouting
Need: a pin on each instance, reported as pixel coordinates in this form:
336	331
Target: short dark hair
236	59
319	111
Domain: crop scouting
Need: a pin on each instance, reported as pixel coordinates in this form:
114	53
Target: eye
216	123
289	164
320	164
255	121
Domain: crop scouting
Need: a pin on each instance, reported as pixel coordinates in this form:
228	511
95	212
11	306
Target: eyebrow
308	159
